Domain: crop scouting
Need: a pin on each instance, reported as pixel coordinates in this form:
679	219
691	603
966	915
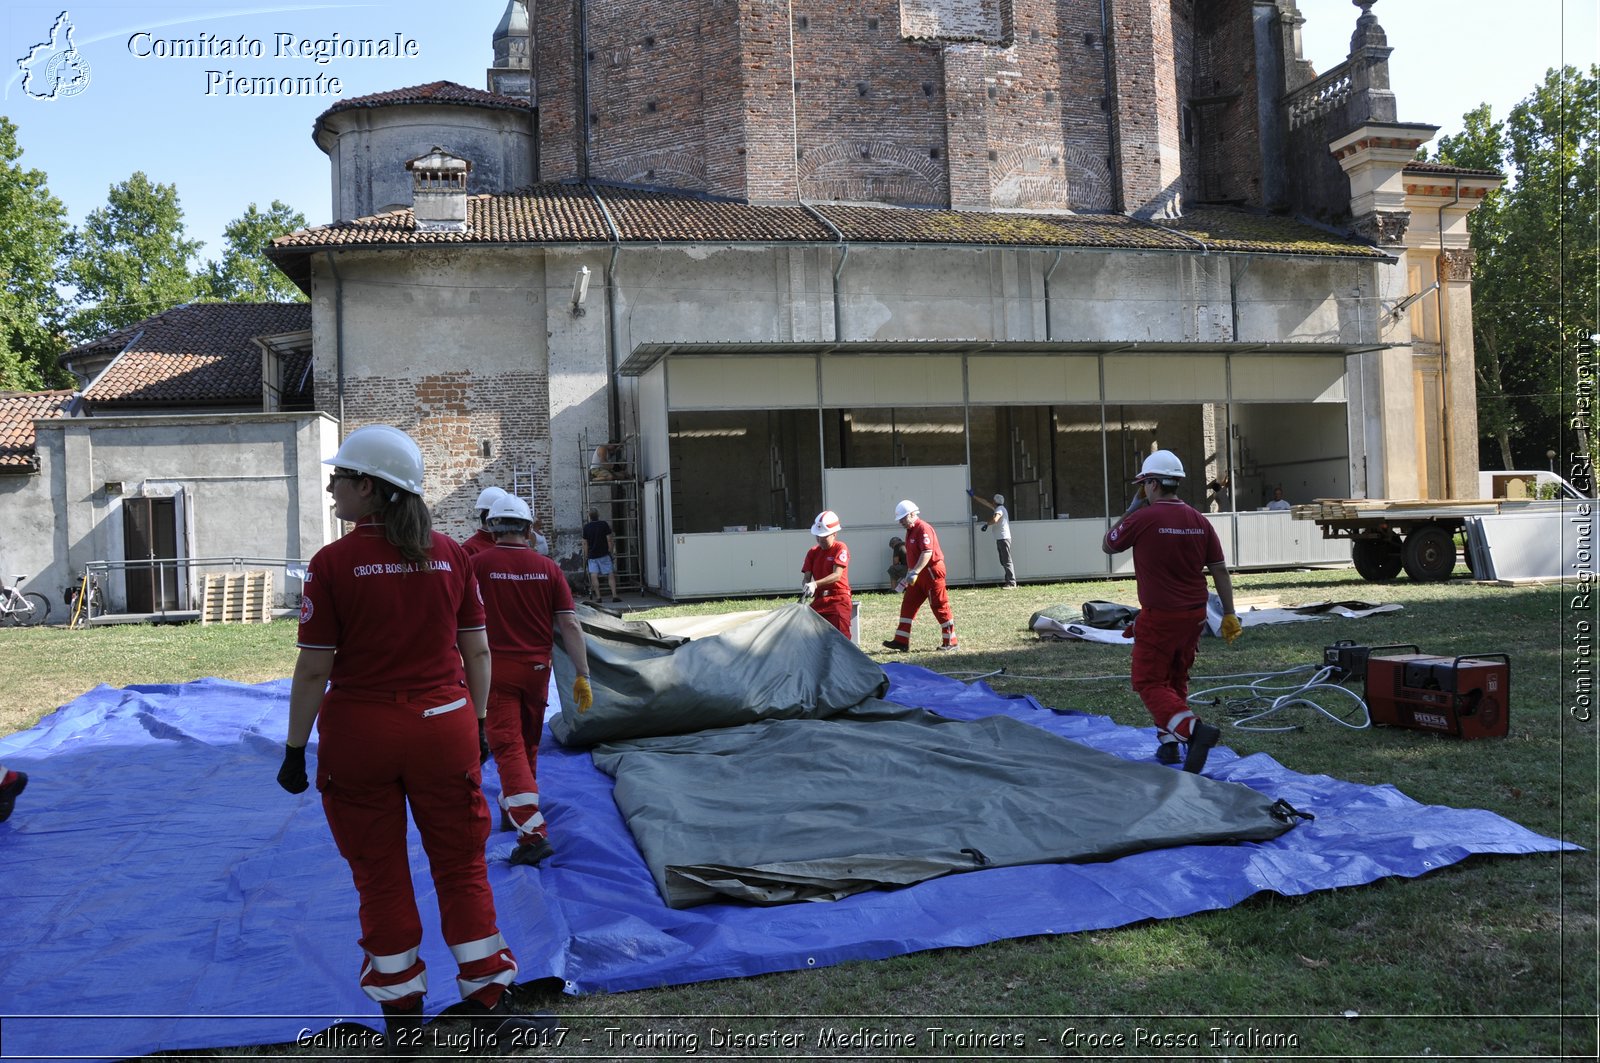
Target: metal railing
177	574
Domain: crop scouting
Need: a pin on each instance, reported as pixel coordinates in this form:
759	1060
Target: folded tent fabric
760	765
785	664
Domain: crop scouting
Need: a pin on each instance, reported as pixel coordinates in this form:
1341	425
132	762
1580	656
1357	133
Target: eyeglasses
340	474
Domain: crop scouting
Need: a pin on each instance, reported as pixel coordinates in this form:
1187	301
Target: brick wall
980	104
450	415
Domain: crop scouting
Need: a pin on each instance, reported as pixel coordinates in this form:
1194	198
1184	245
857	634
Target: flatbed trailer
1419	535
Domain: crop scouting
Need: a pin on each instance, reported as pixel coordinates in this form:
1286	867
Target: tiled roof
435	92
197	353
18	411
1439	167
568	213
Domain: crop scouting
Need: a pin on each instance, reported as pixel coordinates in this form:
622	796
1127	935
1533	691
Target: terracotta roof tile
197	353
18	411
434	92
1233	229
562	213
1439	167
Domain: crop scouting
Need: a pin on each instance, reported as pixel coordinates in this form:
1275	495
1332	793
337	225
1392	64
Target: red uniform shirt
920	539
522	592
477	542
821	561
393	623
1172	545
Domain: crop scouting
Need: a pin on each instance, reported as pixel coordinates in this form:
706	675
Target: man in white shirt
1000	521
1278	501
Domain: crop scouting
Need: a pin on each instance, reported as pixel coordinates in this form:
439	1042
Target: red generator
1463	697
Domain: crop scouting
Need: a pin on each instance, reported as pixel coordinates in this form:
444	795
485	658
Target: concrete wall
253	484
479	354
368	147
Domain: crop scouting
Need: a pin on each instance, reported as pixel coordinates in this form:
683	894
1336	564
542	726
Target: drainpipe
1111	106
1233	296
583	85
613	400
844	256
338	334
1444	359
1047	273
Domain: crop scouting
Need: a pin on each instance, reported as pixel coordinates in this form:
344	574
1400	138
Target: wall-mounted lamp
1400	307
580	290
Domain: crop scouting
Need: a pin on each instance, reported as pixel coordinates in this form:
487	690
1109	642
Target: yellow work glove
1231	628
583	695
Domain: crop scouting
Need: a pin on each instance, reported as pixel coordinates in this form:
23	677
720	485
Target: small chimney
439	191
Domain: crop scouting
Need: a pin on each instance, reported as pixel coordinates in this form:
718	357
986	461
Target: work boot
1201	738
530	853
500	1030
950	646
897	646
18	782
402	1030
1167	753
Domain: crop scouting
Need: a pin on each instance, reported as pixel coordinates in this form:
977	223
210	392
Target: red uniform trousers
1164	644
378	753
928	587
518	695
835	609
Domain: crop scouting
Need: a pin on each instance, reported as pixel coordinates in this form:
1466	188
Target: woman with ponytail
393	667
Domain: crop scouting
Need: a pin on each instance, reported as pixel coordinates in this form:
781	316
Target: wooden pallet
236	598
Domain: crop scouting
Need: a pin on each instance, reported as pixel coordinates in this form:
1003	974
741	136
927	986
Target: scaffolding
611	488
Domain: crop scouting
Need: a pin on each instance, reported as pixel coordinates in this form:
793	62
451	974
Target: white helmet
486	498
1161	465
384	452
999	499
827	523
509	507
905	509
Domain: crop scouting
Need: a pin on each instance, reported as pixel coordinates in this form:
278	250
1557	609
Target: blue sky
226	151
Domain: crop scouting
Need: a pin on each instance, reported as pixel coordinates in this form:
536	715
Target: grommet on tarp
977	857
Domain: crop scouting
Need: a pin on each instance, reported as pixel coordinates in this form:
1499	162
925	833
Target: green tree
33	232
244	274
130	260
1534	290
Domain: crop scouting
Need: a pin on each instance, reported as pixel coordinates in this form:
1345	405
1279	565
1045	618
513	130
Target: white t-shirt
1002	527
541	544
1278	503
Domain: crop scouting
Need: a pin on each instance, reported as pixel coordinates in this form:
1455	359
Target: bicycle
83	601
23	610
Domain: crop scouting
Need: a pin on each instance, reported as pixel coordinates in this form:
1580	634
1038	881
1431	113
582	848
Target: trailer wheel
1377	560
1430	553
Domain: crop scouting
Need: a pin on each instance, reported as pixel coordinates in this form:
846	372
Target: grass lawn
1495	956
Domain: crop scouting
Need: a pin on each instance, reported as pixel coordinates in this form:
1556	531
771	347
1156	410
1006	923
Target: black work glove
483	741
292	776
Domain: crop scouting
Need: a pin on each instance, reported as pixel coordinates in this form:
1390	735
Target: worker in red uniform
394	663
525	596
483	538
923	582
1173	546
826	572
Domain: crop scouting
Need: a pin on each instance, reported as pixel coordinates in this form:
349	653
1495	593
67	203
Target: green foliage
33	230
130	260
1534	291
244	274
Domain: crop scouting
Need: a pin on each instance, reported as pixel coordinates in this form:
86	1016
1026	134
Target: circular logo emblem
306	608
66	74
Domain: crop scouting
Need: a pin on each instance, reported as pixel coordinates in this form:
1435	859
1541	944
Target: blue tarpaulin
161	888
